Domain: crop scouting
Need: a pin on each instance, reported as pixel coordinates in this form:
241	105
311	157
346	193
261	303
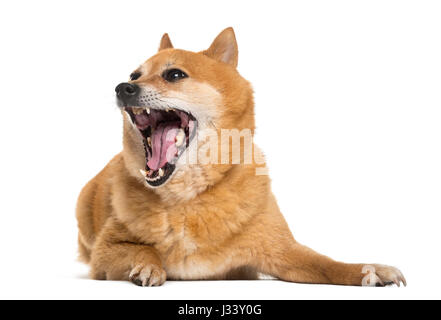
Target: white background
348	108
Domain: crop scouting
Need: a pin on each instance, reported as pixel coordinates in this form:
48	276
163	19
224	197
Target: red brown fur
213	221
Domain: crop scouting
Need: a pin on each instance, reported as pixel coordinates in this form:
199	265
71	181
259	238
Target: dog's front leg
291	261
117	256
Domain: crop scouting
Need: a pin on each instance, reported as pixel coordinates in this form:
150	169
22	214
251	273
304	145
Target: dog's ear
165	42
224	48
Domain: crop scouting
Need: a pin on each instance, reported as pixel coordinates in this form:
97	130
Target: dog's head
173	98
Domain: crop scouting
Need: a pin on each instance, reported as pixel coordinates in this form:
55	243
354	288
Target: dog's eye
135	75
173	75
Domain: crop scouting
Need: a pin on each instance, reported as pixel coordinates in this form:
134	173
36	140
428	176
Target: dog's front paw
378	275
148	275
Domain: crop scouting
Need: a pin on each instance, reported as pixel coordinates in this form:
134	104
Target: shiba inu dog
151	214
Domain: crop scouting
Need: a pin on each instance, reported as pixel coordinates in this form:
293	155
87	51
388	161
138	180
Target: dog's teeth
143	172
137	110
161	172
147	110
168	109
149	141
180	138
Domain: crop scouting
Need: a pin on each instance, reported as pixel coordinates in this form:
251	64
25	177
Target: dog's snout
127	92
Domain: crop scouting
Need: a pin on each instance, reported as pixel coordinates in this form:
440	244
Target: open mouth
166	134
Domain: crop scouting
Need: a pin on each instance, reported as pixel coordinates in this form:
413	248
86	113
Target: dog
152	215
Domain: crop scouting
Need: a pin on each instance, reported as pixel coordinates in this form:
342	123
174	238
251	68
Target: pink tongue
163	145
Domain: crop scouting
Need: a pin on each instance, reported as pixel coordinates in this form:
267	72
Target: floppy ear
165	42
224	48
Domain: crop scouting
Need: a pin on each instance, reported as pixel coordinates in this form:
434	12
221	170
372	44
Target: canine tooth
143	172
147	110
168	109
149	141
180	138
161	172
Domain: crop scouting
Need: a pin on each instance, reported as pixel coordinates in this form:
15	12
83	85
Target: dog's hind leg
279	255
297	263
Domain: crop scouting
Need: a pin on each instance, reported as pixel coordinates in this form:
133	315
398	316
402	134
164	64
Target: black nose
127	92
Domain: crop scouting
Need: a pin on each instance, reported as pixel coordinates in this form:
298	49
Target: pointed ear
165	43
224	48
